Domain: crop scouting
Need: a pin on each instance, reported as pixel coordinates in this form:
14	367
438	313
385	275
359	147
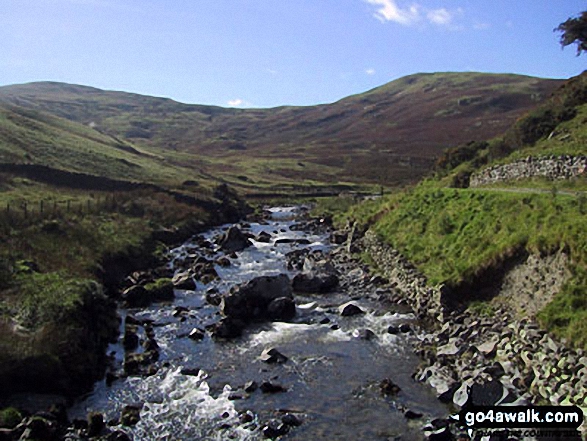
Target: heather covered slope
388	135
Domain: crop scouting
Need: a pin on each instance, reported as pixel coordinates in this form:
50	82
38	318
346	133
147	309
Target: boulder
250	301
441	380
139	363
488	349
234	240
161	290
275	429
393	329
96	424
136	296
197	334
223	262
488	394
412	415
130	341
315	282
363	334
267	387
250	386
453	347
281	309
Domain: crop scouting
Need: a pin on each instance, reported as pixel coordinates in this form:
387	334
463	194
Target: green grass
454	235
47	298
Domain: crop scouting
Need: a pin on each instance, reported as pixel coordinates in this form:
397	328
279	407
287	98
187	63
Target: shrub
10	418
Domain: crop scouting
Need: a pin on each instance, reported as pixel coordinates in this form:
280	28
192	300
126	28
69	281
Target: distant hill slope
33	137
388	135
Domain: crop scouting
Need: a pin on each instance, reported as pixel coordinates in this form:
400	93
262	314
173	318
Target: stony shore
496	352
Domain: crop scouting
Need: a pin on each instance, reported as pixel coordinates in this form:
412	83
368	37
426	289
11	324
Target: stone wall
468	347
427	302
550	167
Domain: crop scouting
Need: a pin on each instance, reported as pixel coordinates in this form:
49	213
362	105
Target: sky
267	53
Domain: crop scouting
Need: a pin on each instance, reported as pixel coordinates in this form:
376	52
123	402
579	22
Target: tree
574	30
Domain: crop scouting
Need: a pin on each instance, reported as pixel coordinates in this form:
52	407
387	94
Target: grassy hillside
36	137
389	135
455	235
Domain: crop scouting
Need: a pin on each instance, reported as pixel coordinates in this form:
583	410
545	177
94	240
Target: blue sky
264	53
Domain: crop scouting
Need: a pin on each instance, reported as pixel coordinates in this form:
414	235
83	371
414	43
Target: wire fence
24	211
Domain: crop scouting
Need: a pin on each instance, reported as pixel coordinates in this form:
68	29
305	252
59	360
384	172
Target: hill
469	238
389	135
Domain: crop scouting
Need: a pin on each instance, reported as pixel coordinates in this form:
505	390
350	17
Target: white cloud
370	71
439	16
236	102
390	11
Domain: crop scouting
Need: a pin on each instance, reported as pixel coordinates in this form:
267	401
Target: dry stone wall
550	167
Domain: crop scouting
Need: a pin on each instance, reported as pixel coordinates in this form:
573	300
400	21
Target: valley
475	183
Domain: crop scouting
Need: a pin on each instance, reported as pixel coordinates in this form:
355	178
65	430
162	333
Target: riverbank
492	347
59	283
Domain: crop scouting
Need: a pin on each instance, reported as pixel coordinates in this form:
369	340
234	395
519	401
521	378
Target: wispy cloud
236	102
370	71
439	16
389	10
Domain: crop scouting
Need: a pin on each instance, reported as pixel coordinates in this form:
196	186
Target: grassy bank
55	318
453	236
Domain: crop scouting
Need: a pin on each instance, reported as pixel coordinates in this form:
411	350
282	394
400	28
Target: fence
27	211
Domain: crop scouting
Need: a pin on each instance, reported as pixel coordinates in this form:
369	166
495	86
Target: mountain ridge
387	135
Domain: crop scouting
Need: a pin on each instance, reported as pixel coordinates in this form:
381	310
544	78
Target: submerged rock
272	355
267	387
130	415
349	309
388	387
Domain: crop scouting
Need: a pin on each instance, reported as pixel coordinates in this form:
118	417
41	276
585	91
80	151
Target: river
332	377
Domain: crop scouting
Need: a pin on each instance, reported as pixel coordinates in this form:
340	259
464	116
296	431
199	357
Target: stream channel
331	379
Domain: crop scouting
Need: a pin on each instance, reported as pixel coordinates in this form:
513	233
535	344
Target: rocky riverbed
272	329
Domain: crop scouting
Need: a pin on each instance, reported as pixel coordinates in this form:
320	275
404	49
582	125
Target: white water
331	376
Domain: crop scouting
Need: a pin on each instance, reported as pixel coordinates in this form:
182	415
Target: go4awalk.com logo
474	418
